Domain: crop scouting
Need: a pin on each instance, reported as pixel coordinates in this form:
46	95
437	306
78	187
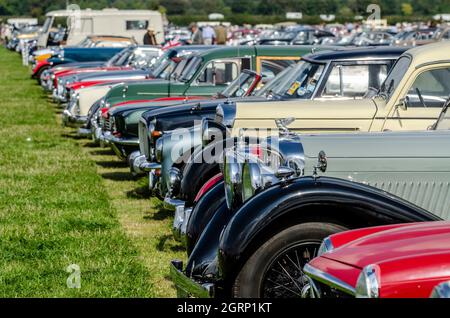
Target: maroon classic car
405	261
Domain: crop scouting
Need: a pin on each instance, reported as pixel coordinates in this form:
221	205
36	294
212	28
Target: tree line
346	8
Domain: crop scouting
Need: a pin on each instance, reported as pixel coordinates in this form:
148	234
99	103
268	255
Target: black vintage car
284	196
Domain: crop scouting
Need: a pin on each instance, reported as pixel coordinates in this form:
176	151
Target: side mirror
404	103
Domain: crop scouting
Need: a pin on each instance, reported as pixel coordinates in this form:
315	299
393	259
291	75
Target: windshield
85	43
143	59
124	58
179	67
437	34
395	76
47	24
190	69
159	69
113	60
240	86
297	81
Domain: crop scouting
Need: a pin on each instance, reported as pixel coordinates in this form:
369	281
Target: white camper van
81	23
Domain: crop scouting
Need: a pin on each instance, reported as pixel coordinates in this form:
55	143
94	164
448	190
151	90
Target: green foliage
232	7
407	9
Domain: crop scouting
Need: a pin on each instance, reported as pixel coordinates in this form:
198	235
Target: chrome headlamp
226	114
210	131
159	150
232	174
259	170
174	180
368	283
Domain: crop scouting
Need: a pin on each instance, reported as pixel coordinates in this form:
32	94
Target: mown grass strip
54	208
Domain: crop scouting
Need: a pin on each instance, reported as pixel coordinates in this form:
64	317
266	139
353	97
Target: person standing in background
196	37
221	35
208	35
149	37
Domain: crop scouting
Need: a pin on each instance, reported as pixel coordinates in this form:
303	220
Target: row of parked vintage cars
292	171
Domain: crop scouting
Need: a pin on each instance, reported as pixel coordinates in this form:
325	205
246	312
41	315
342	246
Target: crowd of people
208	35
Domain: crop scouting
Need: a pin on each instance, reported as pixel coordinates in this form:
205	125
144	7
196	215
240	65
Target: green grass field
63	202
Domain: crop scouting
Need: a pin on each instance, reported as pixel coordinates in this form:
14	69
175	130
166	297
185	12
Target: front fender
351	204
198	171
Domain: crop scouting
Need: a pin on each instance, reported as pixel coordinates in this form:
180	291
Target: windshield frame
399	72
47	24
284	81
191	69
243	78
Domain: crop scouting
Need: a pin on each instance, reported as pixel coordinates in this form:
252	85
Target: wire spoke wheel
284	277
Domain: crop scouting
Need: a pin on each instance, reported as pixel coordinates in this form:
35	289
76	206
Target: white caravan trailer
22	22
81	23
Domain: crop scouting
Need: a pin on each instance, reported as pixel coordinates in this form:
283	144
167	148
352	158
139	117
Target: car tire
39	73
249	282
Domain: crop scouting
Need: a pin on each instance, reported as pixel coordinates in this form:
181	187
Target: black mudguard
351	204
202	214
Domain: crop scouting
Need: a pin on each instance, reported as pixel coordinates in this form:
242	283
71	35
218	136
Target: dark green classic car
208	72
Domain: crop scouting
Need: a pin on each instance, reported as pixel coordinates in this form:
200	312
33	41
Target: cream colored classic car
410	99
76	112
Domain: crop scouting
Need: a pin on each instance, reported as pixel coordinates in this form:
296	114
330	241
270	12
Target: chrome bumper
187	287
84	132
181	217
110	138
311	290
97	135
139	165
59	98
114	142
70	120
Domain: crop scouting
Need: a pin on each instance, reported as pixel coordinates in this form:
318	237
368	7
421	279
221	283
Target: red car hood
418	240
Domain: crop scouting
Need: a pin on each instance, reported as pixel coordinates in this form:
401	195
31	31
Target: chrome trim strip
188	287
121	141
328	279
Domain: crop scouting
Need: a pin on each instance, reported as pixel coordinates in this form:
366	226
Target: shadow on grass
72	135
117	176
139	193
102	152
158	214
111	164
90	144
165	241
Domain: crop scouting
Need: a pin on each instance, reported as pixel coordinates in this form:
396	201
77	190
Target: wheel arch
346	204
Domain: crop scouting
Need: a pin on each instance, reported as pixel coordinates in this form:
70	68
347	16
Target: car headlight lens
368	283
174	180
325	247
232	173
210	131
159	150
251	180
441	291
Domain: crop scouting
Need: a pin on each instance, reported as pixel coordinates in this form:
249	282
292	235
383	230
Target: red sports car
404	261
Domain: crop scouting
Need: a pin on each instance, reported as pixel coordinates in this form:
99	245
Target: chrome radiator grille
144	142
107	125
